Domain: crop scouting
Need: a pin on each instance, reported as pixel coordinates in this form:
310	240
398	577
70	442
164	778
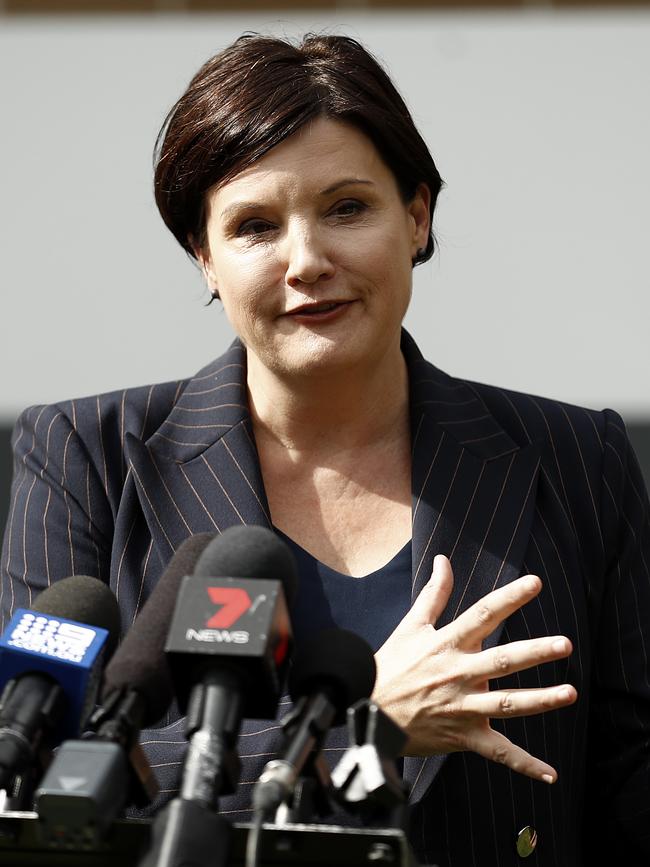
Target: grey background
538	121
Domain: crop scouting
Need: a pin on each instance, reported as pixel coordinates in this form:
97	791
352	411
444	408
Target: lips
315	308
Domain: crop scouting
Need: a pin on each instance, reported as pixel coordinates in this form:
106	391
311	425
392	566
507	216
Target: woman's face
311	252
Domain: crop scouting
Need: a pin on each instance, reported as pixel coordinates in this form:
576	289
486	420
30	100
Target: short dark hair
259	91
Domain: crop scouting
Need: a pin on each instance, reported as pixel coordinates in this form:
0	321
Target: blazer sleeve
60	521
617	811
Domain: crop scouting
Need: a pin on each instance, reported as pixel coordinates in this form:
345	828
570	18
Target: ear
205	263
418	209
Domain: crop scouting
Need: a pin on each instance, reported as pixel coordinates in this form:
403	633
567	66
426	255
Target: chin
317	357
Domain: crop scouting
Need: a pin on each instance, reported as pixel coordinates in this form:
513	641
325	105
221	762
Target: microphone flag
69	651
242	621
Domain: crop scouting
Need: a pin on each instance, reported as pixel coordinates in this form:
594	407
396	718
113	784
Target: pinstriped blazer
503	483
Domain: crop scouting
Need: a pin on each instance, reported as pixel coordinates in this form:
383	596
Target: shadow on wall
638	431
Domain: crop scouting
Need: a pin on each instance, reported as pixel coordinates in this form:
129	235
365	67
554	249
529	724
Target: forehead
309	162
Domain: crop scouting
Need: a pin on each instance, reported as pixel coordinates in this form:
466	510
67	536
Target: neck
329	412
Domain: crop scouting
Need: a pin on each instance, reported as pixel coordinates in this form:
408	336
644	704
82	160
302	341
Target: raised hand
435	682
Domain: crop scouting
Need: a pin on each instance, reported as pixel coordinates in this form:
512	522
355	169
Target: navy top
371	606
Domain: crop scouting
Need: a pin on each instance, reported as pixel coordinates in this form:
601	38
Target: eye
348	208
254	228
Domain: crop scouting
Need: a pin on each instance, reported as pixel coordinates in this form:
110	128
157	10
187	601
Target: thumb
433	597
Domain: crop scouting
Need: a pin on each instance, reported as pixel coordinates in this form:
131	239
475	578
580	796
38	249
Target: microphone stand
189	830
297	783
366	780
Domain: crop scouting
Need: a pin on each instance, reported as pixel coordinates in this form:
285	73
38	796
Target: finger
484	616
433	597
502	703
516	656
497	748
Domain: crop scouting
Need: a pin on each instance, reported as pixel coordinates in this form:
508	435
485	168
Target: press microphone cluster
215	635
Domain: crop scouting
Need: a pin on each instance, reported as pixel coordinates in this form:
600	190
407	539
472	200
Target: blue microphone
51	658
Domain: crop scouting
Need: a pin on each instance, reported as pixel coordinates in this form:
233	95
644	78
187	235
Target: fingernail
547	778
559	645
565	693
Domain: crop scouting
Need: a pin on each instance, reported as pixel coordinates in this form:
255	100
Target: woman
297	180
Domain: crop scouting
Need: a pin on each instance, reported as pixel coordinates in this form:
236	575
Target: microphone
228	650
228	647
138	674
90	780
333	672
50	664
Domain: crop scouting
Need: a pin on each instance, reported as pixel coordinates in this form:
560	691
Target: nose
307	258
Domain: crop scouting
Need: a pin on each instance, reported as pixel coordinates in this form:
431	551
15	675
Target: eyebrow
346	182
239	208
242	207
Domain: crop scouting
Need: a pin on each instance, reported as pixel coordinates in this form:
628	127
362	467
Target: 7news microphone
50	664
91	780
228	650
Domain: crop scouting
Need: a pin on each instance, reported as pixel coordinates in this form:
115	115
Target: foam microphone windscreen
338	662
249	551
139	662
86	600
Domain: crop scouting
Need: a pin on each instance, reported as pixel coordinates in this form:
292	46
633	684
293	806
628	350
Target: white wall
539	122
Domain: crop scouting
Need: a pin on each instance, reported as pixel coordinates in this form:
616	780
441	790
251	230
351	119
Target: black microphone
228	647
332	672
50	664
228	650
90	781
138	675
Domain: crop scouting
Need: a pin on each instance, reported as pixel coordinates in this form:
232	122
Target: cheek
382	245
240	268
241	306
384	259
244	283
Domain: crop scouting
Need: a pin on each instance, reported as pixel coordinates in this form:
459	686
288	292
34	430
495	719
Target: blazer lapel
199	471
473	500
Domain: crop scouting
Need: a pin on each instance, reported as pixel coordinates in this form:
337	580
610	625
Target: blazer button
526	841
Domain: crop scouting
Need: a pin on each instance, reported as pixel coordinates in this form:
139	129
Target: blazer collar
216	400
473	487
199	471
213	403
